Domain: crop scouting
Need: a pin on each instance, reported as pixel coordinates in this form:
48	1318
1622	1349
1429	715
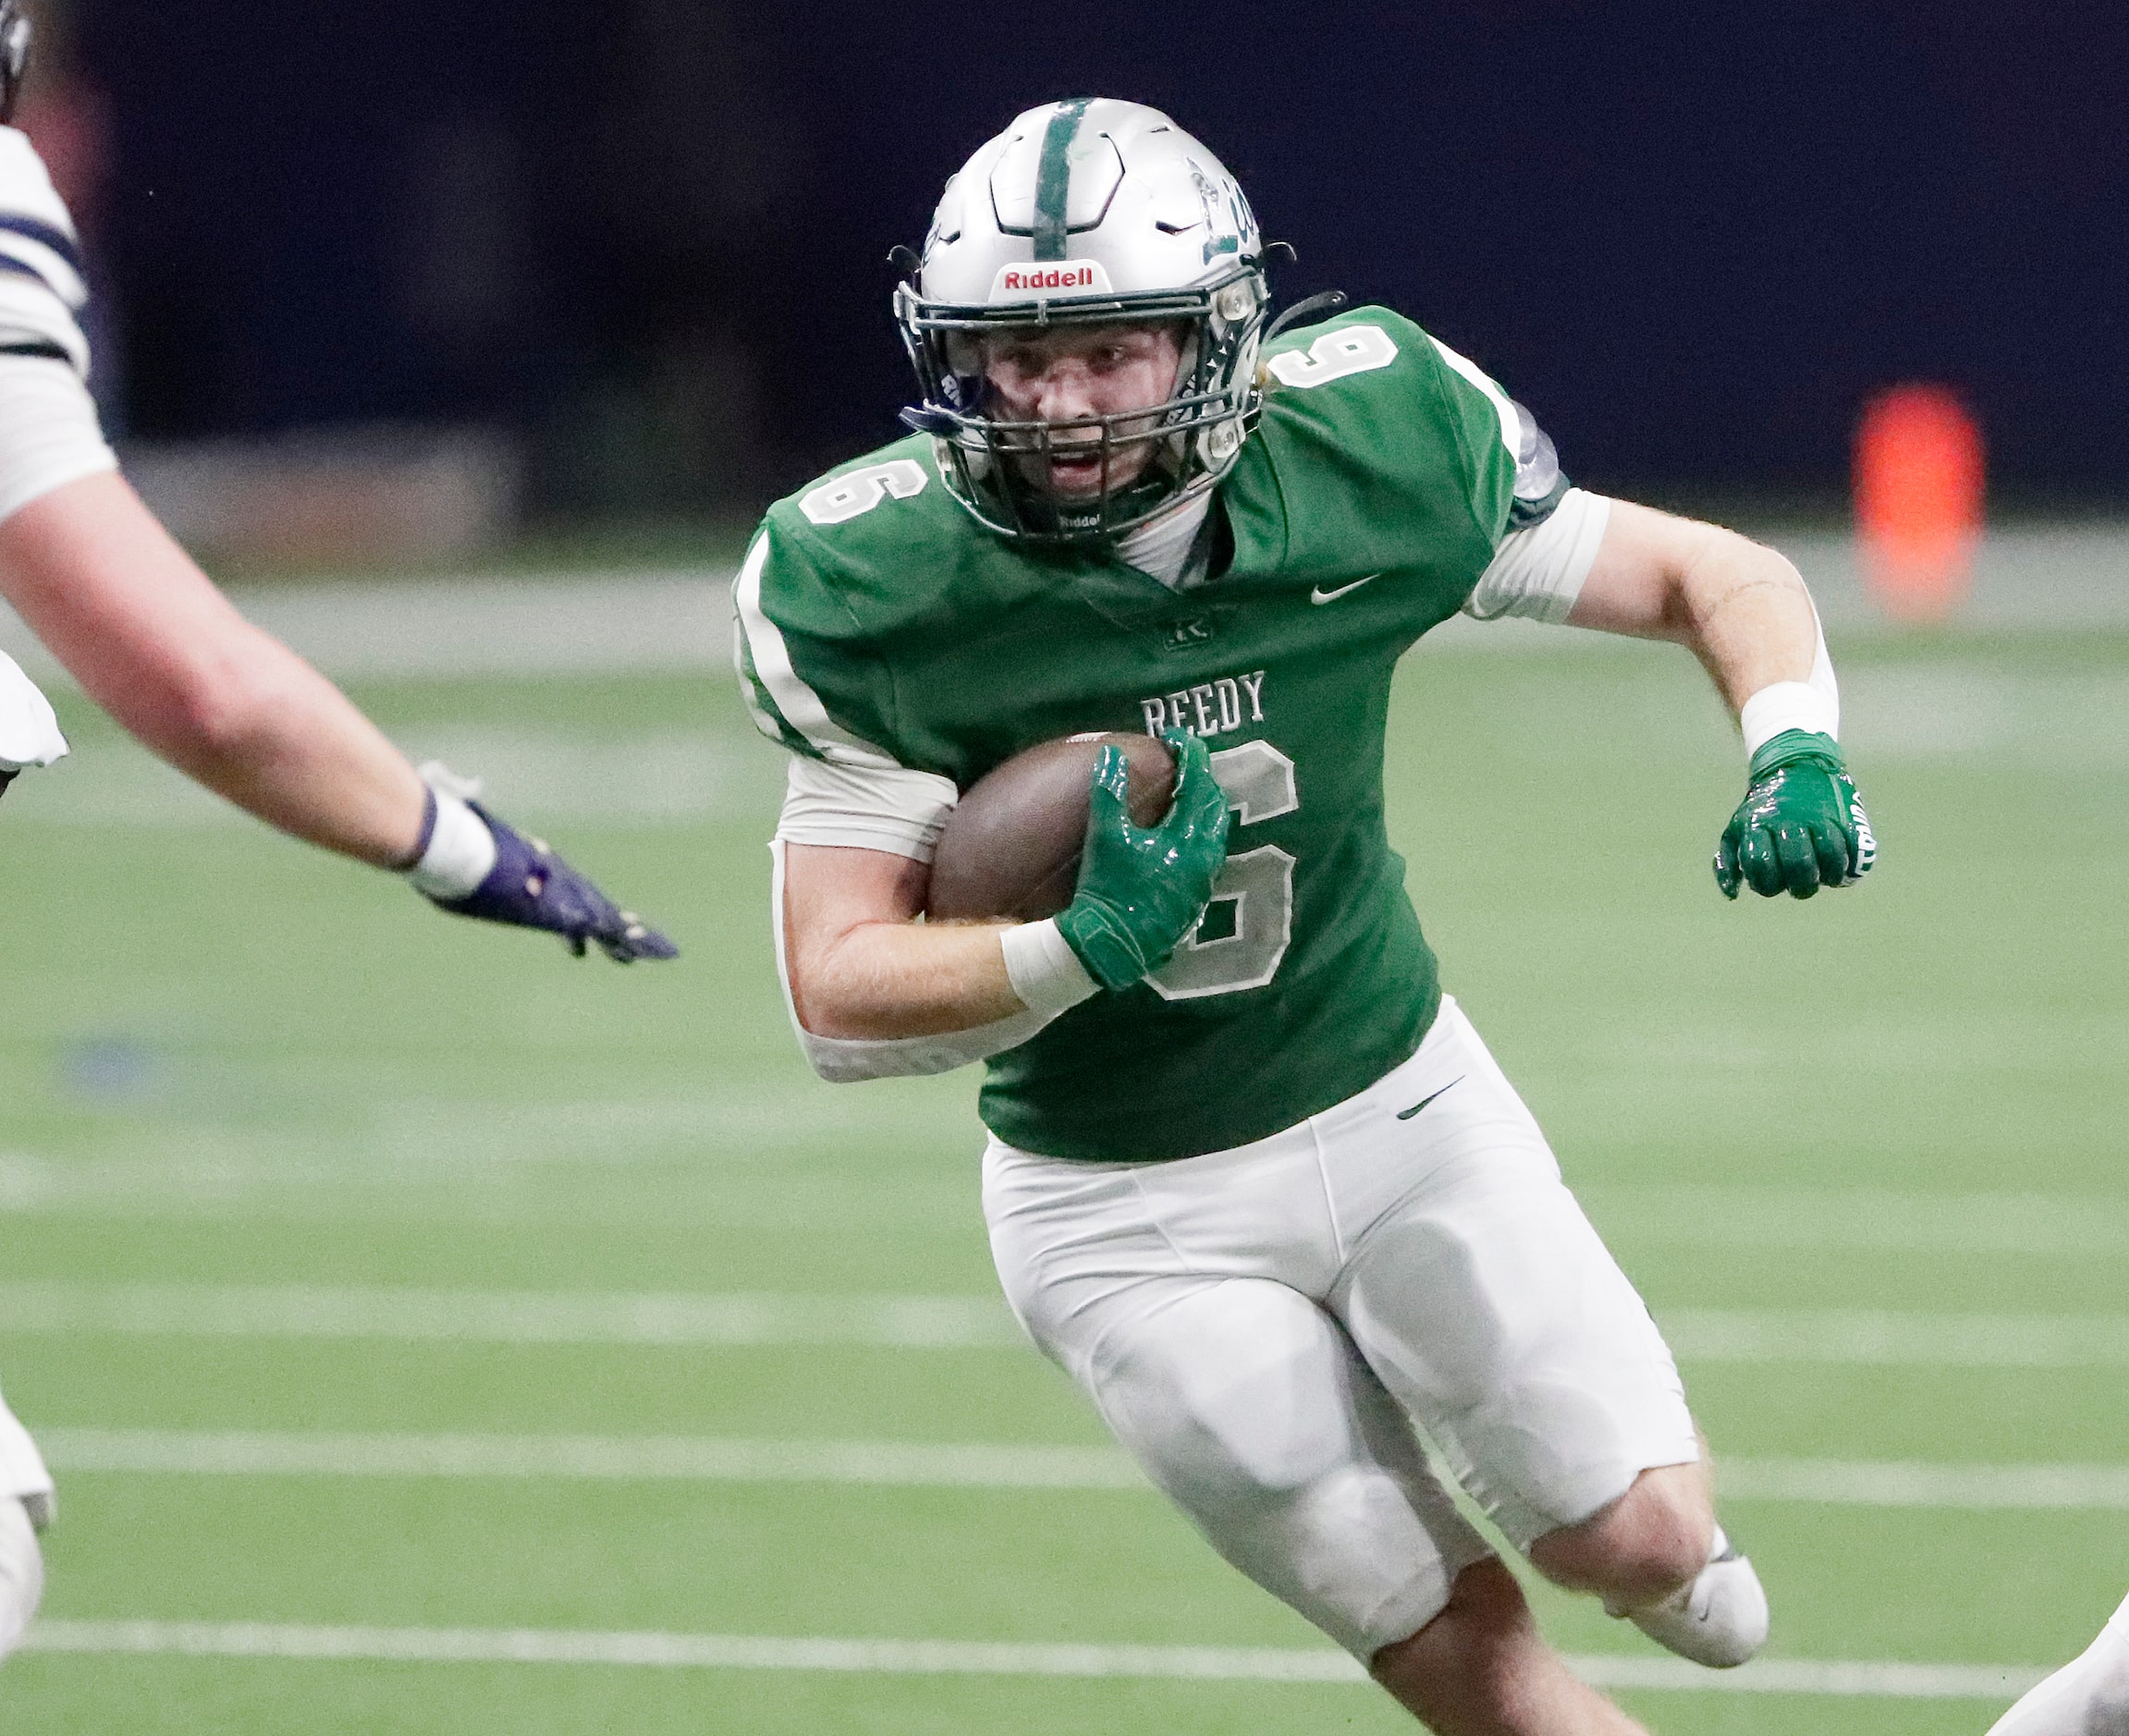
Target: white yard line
672	621
428	1145
1871	1219
1898	1483
1888	1336
1699	1335
908	1464
966	1657
961	1464
651	777
508	1317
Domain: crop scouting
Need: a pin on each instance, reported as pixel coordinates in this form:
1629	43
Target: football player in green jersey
1254	1180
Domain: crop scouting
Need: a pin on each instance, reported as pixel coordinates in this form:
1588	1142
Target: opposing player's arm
97	579
95	574
146	633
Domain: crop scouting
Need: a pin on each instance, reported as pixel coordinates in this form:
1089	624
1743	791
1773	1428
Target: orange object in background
1920	471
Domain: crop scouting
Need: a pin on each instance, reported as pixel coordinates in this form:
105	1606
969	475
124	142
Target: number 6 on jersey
1243	935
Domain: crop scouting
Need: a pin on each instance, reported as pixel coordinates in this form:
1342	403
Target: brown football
1011	845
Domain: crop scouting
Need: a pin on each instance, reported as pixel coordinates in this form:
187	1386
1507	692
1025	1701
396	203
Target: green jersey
882	626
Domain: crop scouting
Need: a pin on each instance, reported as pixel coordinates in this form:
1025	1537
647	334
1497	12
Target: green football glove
1139	890
1801	825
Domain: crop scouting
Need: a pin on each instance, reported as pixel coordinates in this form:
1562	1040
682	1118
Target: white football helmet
1094	213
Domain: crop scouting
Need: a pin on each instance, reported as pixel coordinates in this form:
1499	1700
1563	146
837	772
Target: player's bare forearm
860	964
154	643
1741	608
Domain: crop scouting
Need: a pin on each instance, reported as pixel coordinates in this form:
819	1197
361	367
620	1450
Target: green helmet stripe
1053	179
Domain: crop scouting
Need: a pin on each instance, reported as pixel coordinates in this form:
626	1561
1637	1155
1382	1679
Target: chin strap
1327	302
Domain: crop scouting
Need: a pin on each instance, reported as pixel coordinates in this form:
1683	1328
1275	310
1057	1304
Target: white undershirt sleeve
48	431
1538	573
864	807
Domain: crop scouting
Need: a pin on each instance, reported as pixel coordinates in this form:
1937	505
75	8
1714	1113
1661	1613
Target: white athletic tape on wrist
1813	706
461	851
1044	970
1786	705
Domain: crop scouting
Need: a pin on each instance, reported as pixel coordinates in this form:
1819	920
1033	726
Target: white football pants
1261	1326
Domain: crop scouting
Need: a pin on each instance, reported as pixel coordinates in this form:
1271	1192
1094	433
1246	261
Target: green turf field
407	1279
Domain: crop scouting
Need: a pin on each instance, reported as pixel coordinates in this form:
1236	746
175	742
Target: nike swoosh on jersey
1320	596
1406	1115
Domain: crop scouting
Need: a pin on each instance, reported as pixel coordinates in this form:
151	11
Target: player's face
1070	375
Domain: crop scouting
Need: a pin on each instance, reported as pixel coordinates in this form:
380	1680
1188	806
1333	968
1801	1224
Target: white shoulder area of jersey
28	732
1473	375
1538	573
783	703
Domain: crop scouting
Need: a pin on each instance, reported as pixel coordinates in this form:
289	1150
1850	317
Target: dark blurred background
640	247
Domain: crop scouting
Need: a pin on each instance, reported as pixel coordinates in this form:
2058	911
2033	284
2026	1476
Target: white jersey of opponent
42	286
48	429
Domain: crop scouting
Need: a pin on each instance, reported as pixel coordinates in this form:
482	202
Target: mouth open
1075	473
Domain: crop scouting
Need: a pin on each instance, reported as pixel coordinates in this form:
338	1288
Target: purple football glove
533	887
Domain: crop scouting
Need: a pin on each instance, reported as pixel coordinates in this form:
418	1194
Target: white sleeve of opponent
1538	573
48	431
864	807
41	286
843	1060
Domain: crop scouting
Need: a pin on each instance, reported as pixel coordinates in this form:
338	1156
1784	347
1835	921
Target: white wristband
461	852
1044	971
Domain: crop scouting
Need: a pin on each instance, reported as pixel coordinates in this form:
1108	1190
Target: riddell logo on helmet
1066	276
